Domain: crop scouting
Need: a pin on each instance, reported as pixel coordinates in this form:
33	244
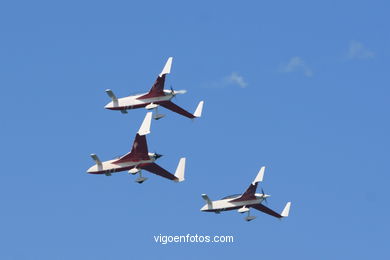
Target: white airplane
157	96
243	202
138	159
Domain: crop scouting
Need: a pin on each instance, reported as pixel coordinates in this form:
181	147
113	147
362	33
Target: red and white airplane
157	96
243	202
138	159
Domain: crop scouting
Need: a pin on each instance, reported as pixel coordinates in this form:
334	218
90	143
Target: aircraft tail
179	174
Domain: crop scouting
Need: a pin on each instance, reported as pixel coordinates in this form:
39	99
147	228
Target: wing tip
199	109
286	210
145	126
180	170
167	67
259	176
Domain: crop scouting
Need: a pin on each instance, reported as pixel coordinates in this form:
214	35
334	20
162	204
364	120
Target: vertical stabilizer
179	174
145	127
286	210
199	108
259	176
167	67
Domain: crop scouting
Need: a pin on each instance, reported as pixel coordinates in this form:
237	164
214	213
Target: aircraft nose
91	169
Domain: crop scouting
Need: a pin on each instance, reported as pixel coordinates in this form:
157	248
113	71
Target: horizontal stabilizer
167	67
96	158
145	127
199	108
207	199
259	176
111	94
113	97
286	210
179	174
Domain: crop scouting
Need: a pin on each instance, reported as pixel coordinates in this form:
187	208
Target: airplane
243	202
138	159
157	96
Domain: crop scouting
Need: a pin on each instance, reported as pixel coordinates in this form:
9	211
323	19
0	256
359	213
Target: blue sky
301	87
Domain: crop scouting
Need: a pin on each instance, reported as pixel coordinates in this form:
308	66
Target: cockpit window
231	196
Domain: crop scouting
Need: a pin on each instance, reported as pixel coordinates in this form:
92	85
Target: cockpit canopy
231	196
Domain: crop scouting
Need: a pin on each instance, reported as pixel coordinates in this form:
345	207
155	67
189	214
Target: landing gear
140	179
134	171
124	111
249	218
156	115
109	172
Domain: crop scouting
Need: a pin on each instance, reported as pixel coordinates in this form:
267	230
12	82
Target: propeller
156	155
174	93
264	198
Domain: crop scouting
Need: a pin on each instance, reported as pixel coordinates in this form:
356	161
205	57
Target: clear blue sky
299	86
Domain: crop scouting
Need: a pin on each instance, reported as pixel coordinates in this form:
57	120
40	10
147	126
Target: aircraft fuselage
111	167
133	102
228	204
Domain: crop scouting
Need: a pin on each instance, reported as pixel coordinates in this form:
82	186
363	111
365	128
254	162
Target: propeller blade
264	198
157	155
180	91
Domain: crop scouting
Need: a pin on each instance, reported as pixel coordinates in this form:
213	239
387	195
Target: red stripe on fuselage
130	107
228	209
117	169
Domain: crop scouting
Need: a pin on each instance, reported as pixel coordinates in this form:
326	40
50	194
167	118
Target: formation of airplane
244	202
138	159
157	96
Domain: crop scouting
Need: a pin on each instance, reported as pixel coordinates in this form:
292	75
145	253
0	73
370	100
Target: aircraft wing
266	210
156	169
249	194
175	108
157	89
139	150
